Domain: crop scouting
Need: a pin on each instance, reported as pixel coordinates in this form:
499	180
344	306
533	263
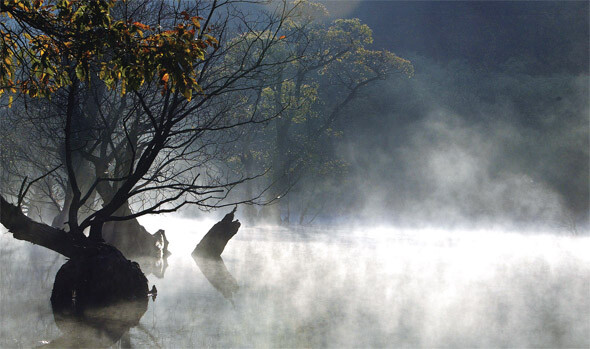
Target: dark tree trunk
96	232
24	228
86	282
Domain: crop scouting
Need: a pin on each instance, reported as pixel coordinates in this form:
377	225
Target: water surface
380	287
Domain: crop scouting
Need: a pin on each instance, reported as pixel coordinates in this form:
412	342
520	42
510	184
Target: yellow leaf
196	22
10	99
165	78
188	94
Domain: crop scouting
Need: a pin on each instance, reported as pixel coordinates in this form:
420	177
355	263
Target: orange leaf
165	77
281	37
141	26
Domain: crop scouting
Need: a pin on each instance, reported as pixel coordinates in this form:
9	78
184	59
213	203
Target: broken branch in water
214	242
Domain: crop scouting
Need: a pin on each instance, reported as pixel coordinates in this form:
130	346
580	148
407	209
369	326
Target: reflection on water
377	288
97	328
216	272
96	300
153	266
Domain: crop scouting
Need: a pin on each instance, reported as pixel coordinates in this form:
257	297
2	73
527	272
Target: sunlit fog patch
453	173
184	233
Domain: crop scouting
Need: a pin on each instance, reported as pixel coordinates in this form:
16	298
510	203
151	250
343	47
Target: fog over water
371	287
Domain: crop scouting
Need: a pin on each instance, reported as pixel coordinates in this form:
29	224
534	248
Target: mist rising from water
375	287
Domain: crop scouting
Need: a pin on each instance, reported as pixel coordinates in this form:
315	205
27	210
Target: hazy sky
483	32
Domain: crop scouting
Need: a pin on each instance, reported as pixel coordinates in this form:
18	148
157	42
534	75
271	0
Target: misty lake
379	287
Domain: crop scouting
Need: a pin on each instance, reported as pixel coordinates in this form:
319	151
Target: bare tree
157	147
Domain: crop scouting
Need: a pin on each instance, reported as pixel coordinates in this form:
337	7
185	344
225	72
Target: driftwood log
214	242
207	255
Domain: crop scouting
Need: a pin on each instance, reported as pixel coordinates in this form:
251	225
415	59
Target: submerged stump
96	298
207	255
214	242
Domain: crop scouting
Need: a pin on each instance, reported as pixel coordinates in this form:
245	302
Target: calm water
381	287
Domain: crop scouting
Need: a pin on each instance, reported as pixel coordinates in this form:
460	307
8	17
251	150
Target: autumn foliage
45	45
